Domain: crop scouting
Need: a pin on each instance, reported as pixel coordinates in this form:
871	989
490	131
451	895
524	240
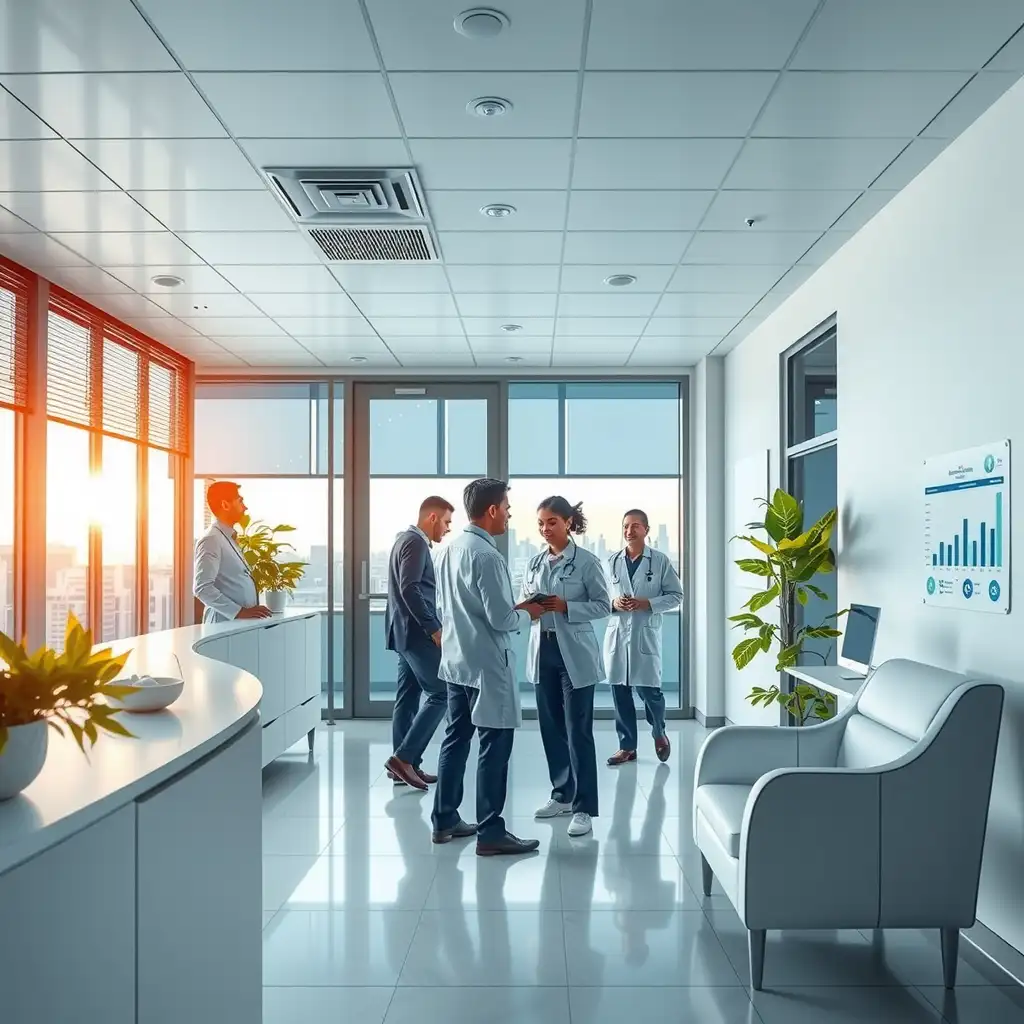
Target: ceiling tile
1011	56
338	153
584	278
49	165
792	280
856	104
588	360
128	248
175	164
434	105
625	247
325	327
600	327
263	35
781	210
165	328
637	211
512	363
653	163
396	304
127	304
501	246
117	106
217	327
863	210
377	277
442	346
216	210
726	277
617	302
504	345
271	278
690	304
352	344
811	163
215	304
18	122
886	36
292	104
101	35
503	278
87	281
244	344
414	326
909	164
284	358
195	278
825	248
682	351
80	211
37	251
749	246
507	305
9	224
541	36
672	104
316	304
970	103
483	326
209	361
536	210
501	163
251	247
690	326
595	344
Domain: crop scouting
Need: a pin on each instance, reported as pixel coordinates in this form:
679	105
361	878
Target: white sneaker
580	825
553	809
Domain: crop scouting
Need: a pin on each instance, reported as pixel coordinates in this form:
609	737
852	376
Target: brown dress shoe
405	772
621	757
426	776
394	778
663	748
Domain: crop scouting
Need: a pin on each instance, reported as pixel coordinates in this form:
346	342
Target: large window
7	513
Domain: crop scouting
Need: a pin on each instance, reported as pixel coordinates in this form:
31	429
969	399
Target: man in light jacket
478	615
222	580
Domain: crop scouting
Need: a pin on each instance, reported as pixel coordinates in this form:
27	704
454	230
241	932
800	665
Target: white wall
931	359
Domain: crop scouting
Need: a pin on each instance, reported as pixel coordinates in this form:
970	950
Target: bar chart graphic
967	529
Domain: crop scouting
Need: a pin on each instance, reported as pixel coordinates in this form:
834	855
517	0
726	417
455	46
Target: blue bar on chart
974	553
942	553
967	543
935	559
956	551
998	561
984	542
992	547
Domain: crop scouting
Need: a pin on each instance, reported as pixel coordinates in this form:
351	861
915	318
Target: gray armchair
884	808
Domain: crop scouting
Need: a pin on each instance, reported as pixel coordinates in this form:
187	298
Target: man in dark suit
413	632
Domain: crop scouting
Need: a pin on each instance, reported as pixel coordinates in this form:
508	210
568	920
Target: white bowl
155	693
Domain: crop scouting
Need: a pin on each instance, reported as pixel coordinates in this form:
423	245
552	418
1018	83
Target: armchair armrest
741	754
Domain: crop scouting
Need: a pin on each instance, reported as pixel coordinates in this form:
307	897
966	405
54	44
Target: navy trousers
625	713
413	725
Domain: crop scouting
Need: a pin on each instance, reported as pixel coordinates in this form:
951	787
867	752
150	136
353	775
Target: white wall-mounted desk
844	683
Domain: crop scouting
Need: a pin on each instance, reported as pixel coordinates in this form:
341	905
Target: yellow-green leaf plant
66	690
262	553
788	559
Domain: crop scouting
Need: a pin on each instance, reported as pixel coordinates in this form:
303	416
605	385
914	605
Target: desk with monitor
846	678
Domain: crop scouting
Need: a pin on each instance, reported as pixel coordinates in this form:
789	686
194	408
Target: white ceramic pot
22	758
276	600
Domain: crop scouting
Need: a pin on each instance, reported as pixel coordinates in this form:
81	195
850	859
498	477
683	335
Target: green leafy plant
65	690
789	559
263	554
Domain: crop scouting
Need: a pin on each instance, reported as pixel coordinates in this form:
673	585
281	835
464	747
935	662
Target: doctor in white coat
478	614
644	585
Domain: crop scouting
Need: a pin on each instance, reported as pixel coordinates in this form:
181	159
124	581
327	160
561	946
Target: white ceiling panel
496	278
338	153
128	248
375	277
856	104
581	360
321	304
535	210
117	106
863	210
494	346
497	163
219	362
1011	56
677	351
825	248
625	247
689	326
508	306
332	345
80	211
412	326
485	326
595	344
284	358
166	329
216	210
414	304
264	35
49	165
501	246
689	304
793	280
215	304
18	122
617	302
444	346
126	305
751	246
293	104
811	163
524	361
600	327
243	345
653	163
970	103
593	278
251	247
886	36
541	36
270	278
325	327
909	164
672	104
778	210
218	327
87	281
100	35
726	277
9	224
631	210
197	278
694	34
434	105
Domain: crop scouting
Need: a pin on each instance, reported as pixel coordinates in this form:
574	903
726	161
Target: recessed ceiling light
497	210
513	359
167	280
357	359
489	106
511	328
481	23
620	280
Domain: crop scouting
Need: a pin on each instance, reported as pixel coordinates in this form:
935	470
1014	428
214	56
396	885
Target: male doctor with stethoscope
644	586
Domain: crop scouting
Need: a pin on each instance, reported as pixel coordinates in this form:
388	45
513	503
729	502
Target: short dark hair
435	503
481	494
221	490
640	514
561	508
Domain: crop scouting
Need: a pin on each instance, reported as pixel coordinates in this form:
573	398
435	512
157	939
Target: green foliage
262	553
791	557
64	690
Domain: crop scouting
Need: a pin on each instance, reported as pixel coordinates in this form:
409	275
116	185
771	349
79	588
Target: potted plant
62	691
790	558
273	577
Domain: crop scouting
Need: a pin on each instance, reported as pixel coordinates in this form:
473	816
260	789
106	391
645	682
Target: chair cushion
905	695
723	806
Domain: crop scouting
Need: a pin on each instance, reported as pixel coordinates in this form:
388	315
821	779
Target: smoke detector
481	23
511	328
513	359
620	280
497	210
357	359
167	280
489	106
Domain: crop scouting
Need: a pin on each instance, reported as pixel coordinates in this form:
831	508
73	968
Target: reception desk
130	883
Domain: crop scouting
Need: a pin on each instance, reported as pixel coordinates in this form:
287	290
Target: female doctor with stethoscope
645	585
563	659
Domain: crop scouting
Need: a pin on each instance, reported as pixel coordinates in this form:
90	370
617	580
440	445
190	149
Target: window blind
69	384
14	298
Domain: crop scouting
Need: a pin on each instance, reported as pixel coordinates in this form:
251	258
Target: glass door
411	441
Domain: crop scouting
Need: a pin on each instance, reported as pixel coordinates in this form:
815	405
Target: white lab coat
578	578
478	615
222	579
632	643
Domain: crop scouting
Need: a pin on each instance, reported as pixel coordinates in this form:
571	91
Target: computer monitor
859	637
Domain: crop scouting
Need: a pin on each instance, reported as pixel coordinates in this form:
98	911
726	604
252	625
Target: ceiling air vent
375	245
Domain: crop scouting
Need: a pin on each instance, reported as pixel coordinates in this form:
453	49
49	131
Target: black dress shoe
509	846
461	830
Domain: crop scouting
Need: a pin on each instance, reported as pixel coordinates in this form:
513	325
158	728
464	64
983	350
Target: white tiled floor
365	920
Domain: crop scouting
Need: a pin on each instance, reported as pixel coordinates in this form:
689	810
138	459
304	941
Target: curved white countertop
71	792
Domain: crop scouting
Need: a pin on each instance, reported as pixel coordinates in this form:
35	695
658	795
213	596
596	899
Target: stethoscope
617	558
567	567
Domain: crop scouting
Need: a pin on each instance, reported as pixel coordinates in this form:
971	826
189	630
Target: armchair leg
950	939
707	875
755	946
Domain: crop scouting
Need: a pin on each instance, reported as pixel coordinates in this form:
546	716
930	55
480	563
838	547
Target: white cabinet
314	680
272	670
216	648
295	684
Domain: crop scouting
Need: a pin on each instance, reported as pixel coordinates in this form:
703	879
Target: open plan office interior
349	255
